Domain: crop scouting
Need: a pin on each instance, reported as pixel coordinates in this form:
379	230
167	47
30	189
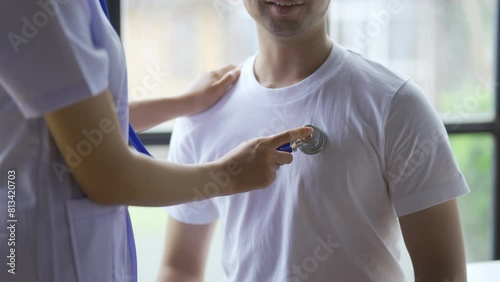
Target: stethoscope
310	145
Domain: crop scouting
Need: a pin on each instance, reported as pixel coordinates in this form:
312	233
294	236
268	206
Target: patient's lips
284	7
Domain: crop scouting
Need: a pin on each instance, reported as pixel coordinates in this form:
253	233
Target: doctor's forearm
144	181
169	274
149	113
107	171
114	175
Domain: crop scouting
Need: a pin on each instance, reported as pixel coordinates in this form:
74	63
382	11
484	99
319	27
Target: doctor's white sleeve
420	167
48	59
201	210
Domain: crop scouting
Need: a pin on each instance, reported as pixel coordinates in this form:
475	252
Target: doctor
63	124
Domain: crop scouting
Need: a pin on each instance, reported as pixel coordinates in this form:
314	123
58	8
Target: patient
386	176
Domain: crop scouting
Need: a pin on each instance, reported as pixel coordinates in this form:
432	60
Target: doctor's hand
209	87
253	164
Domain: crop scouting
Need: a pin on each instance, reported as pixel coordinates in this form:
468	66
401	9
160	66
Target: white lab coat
54	53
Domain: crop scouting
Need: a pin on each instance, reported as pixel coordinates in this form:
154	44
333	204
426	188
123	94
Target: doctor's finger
223	71
290	136
282	158
228	79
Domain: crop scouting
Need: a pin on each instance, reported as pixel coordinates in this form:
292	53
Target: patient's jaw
288	18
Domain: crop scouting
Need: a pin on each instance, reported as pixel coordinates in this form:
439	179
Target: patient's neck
284	62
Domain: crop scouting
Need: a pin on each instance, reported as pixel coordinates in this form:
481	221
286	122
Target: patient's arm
204	92
186	251
434	239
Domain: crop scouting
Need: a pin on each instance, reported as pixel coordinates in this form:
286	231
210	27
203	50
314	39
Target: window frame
492	127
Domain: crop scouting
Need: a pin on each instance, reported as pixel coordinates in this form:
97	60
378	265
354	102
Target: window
473	153
446	46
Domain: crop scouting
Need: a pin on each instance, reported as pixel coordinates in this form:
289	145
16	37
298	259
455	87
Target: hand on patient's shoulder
209	87
253	164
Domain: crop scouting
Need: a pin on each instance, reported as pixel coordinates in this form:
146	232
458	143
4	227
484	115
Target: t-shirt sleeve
48	59
420	167
202	210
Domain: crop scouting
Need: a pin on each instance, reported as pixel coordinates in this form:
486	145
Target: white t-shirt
55	53
331	216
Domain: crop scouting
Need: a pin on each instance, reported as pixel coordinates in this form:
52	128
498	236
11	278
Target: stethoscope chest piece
313	144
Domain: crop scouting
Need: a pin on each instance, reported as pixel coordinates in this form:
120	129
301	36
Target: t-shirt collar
276	96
